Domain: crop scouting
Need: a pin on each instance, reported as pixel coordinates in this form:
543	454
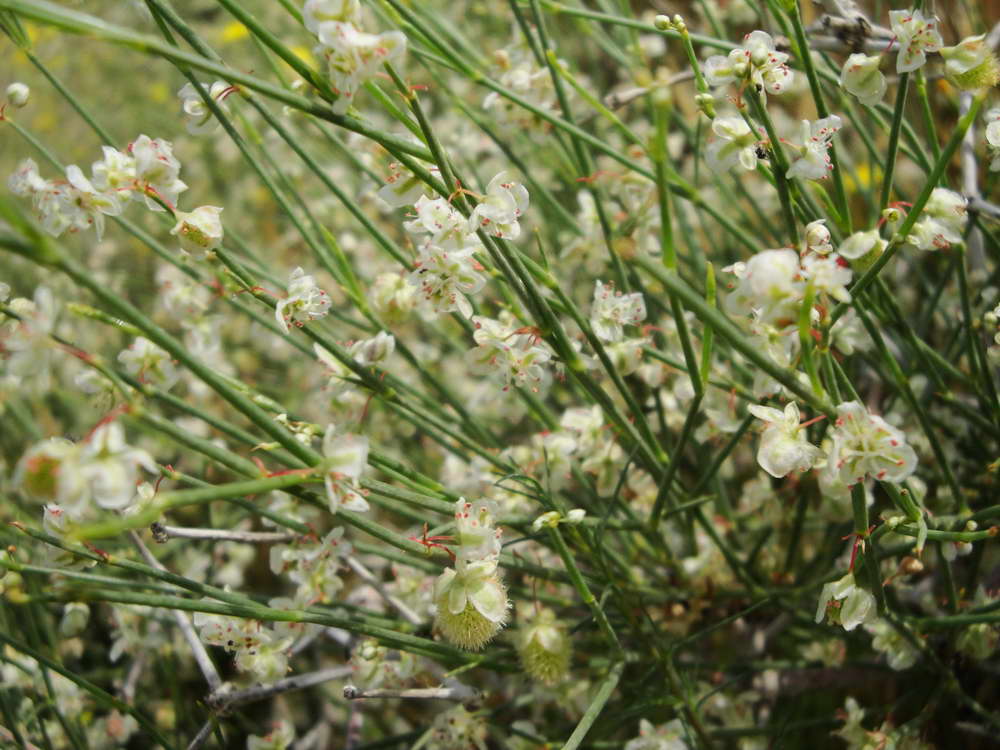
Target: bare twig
397	604
205	663
162	533
355	723
223	699
202	736
132	678
460	693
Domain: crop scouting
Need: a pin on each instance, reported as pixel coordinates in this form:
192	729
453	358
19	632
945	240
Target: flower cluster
146	171
352	56
513	352
471	599
757	62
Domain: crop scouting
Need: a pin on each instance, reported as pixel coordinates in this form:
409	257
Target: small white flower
279	738
860	244
612	311
149	363
305	300
993	138
813	161
200	119
783	445
316	12
199	231
830	274
916	37
353	56
866	445
504	348
445	277
346	457
156	171
498	212
942	222
858	605
736	144
862	78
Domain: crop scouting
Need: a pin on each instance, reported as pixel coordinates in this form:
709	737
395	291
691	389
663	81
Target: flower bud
17	94
663	23
911	565
863	246
544	648
706	104
971	64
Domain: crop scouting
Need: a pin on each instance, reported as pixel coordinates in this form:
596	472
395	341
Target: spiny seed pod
471	604
544	648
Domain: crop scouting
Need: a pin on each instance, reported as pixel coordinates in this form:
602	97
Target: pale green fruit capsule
544	648
471	604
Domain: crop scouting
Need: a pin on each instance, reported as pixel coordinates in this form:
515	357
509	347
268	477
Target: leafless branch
162	533
204	661
223	698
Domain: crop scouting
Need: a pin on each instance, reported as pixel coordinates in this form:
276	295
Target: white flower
444	277
770	286
866	445
278	738
500	209
813	161
900	653
860	244
115	171
313	566
317	12
392	298
993	138
518	356
402	188
305	300
736	143
858	604
830	274
669	736
200	118
476	534
149	363
156	171
612	311
26	181
916	36
199	231
353	56
90	201
942	221
442	221
345	458
104	471
862	78
757	62
783	445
